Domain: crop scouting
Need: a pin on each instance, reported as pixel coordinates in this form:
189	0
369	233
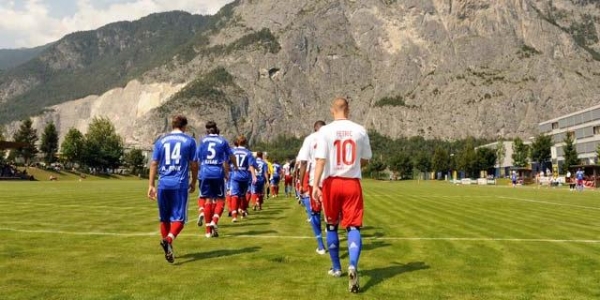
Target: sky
30	23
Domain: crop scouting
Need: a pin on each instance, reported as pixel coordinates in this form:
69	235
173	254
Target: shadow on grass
191	257
253	232
376	276
268	212
367	246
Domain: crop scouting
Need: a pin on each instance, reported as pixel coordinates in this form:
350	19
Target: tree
135	159
73	146
402	165
2	153
26	134
500	153
376	165
520	153
103	146
423	162
49	143
486	158
540	150
570	152
441	160
597	154
467	159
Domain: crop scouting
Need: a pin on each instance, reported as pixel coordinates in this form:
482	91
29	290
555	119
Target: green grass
427	240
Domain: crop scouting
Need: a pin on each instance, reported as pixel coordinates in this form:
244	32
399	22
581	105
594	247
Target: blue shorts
258	187
275	180
239	188
172	205
212	188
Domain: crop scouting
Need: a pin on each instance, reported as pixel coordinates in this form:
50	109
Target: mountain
435	68
10	58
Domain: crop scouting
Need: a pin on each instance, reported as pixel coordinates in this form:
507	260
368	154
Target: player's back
276	170
173	152
343	143
244	159
213	152
261	169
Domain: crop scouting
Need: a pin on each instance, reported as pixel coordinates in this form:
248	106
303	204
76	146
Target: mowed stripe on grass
427	240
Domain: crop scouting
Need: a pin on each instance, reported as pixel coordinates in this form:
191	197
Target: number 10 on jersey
345	152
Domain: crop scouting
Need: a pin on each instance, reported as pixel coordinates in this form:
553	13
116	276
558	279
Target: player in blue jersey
258	188
579	175
213	156
275	179
245	172
173	158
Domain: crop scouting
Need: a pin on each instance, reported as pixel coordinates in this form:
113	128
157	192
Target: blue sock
306	202
333	243
315	222
354	246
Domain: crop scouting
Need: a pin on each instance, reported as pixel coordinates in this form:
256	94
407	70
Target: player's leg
201	201
333	209
235	199
244	199
352	217
315	223
304	198
164	209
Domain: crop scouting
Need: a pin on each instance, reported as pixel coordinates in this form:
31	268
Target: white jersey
307	153
343	144
287	169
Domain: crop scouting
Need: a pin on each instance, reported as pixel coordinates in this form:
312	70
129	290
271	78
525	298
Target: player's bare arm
253	173
302	172
151	179
320	165
194	168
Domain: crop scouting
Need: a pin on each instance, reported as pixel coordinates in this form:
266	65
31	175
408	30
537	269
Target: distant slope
93	62
10	58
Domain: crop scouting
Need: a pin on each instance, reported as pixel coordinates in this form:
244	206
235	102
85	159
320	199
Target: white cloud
34	25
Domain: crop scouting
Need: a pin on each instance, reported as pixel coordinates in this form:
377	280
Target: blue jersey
579	175
261	169
244	159
276	170
213	152
174	152
514	177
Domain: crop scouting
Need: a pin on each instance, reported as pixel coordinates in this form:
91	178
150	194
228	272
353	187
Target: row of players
329	172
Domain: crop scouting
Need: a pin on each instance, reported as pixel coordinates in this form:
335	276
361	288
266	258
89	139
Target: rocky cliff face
440	69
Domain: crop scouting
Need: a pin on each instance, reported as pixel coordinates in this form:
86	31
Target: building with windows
584	124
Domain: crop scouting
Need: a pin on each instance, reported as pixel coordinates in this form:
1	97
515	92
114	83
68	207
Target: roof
11	145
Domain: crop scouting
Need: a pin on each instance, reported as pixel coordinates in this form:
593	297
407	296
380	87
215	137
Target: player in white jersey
343	147
287	178
306	156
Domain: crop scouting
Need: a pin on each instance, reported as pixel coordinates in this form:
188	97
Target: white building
585	124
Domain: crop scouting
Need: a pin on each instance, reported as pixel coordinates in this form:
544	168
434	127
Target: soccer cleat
200	220
168	248
353	286
214	231
308	220
321	251
244	214
335	273
254	207
234	220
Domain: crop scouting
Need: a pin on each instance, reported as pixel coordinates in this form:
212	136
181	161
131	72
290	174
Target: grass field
99	240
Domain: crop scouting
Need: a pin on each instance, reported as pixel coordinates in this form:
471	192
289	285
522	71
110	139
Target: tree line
100	148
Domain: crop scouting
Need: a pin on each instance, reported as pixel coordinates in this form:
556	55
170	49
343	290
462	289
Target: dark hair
318	124
241	141
259	154
179	122
211	128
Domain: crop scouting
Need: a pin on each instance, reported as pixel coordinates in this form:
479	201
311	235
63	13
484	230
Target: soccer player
213	154
275	179
244	173
287	178
343	147
258	187
579	175
269	173
513	178
173	157
306	157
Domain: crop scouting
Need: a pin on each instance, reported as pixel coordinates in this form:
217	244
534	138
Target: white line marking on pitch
134	234
551	203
